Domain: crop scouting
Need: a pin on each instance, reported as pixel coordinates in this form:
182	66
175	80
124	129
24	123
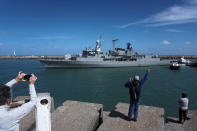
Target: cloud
173	30
129	24
191	1
174	15
165	42
188	43
53	37
1	44
182	14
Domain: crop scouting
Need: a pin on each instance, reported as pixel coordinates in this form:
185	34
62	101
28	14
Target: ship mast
100	40
114	43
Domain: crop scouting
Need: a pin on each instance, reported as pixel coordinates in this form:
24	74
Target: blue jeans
133	108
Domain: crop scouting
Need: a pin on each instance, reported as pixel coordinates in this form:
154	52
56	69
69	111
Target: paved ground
76	116
189	125
172	124
150	119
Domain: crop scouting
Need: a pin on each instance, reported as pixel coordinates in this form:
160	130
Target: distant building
14	53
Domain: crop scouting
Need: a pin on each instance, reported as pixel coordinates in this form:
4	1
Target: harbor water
106	85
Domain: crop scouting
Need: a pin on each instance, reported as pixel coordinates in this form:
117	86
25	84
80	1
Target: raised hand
20	76
32	79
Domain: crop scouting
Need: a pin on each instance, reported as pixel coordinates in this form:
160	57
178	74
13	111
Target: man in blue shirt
135	87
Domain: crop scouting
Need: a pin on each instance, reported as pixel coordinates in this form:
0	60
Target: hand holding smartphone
26	77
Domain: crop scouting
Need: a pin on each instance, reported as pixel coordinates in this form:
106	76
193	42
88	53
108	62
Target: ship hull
102	64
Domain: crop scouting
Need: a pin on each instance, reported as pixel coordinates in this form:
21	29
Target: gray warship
95	58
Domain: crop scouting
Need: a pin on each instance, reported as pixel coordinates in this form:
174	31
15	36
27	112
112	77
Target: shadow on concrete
118	114
32	127
171	120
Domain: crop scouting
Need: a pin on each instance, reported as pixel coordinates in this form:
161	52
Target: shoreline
4	57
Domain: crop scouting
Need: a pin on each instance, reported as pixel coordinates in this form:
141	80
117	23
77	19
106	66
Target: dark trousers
182	115
133	108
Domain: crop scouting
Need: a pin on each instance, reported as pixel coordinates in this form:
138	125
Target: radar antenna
100	40
114	43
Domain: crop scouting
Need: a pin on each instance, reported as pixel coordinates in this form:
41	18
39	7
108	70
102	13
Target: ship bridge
93	52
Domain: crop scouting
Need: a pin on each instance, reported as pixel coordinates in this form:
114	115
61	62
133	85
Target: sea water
106	85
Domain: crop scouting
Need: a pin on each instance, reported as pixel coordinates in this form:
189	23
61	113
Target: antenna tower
114	43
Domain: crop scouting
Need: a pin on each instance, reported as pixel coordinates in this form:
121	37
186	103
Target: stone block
149	119
172	124
77	116
191	124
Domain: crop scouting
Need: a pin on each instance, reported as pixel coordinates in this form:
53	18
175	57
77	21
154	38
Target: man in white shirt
183	107
10	117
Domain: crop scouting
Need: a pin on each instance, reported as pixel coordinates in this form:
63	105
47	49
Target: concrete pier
149	119
172	124
84	116
77	116
189	125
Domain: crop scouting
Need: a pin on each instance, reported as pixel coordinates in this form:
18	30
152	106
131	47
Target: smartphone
26	77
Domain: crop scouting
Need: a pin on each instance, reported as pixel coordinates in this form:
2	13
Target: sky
59	27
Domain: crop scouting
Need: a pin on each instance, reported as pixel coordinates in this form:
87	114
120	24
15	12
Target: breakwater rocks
6	57
83	116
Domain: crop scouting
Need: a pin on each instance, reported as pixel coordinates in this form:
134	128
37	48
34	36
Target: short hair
184	95
5	94
137	78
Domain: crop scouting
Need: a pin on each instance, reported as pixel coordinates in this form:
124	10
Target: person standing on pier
9	116
183	107
135	87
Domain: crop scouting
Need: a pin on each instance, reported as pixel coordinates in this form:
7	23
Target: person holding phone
10	117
